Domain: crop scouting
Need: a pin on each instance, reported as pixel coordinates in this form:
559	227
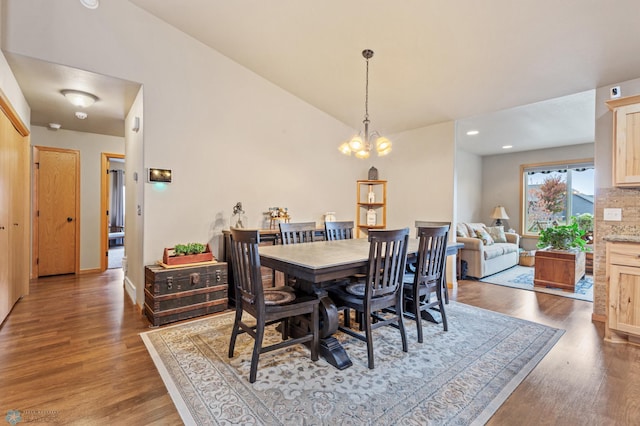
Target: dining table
319	265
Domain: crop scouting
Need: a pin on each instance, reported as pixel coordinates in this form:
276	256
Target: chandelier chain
366	95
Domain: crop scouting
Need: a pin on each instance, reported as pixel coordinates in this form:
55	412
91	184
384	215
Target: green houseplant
563	237
187	253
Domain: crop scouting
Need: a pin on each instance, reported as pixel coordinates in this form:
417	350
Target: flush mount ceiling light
54	126
472	132
90	4
360	144
79	98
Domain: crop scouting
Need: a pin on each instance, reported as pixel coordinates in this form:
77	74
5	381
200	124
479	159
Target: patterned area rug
522	277
457	377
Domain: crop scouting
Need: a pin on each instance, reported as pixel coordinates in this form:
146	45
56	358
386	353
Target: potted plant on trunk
561	262
183	254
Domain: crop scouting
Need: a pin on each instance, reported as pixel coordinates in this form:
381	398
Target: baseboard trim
90	271
130	289
598	318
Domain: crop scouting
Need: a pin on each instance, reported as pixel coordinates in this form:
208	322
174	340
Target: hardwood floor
71	351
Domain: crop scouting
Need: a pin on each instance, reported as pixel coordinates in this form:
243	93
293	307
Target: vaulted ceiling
434	60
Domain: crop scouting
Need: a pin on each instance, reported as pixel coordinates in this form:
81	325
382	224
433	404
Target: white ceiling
434	60
42	82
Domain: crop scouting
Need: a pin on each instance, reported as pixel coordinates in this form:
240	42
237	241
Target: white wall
10	90
134	200
420	177
469	187
90	146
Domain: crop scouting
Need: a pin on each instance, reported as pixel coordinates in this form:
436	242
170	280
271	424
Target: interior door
57	193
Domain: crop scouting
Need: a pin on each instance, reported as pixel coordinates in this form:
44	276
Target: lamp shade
499	213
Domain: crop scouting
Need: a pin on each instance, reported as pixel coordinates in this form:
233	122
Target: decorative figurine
238	211
373	173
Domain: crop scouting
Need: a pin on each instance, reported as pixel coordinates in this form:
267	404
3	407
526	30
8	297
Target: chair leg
347	317
445	289
256	351
315	328
417	312
442	313
369	336
400	316
234	331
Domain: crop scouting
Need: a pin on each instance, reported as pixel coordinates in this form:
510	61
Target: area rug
457	377
522	277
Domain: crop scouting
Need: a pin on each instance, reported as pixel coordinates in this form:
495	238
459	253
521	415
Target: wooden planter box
188	259
559	268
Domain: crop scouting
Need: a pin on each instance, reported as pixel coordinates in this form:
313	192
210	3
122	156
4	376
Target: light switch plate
613	214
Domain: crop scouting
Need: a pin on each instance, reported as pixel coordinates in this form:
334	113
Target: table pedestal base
334	353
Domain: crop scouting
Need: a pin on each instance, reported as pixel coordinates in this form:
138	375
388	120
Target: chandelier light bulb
344	148
356	143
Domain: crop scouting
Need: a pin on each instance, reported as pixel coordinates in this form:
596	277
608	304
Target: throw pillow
497	233
484	236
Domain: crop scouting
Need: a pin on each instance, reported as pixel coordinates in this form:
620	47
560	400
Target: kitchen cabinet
623	292
626	141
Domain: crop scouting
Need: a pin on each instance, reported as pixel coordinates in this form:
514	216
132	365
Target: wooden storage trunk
180	293
559	268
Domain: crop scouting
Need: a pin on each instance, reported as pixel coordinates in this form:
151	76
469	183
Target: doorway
113	208
57	211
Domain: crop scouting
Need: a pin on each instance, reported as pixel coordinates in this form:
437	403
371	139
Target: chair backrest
294	233
338	230
246	267
432	254
387	260
429	224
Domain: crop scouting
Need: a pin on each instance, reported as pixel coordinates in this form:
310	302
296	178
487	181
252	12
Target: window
554	192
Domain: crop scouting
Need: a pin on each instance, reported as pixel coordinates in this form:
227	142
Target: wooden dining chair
381	289
342	230
294	233
428	223
429	276
267	307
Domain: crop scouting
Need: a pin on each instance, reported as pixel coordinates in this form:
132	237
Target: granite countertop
623	238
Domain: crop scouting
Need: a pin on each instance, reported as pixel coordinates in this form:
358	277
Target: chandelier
361	144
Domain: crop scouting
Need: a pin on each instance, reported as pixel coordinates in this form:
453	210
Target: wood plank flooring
71	351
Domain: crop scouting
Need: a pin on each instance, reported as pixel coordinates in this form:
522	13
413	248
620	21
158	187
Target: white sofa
487	259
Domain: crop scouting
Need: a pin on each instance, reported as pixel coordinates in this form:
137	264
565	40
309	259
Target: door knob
69	219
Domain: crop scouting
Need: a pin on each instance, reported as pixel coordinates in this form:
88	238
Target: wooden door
14	204
57	198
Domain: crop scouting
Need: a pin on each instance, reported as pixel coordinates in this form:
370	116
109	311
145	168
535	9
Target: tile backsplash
628	200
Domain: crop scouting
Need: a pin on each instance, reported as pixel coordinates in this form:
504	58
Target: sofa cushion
484	236
499	249
462	230
497	233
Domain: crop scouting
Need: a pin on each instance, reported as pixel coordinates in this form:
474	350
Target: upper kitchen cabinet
626	141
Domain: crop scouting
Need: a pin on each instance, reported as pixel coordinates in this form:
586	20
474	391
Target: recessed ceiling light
81	115
472	132
79	98
90	4
54	126
507	146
